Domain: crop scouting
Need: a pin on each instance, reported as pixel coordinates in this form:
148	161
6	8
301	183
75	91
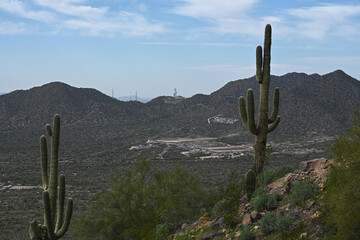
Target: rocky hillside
310	105
36	106
288	208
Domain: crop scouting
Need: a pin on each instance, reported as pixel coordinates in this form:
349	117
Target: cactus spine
53	195
265	124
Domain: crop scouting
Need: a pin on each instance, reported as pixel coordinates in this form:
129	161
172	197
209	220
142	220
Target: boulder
246	220
254	215
241	208
218	224
210	236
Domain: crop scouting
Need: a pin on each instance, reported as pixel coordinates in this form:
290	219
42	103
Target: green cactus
250	182
53	195
265	124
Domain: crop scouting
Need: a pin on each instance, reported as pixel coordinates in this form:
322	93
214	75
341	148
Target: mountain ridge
308	104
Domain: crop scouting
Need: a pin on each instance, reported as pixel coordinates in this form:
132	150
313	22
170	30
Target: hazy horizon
134	95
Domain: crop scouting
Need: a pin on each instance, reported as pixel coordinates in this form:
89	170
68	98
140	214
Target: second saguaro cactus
54	194
265	124
250	182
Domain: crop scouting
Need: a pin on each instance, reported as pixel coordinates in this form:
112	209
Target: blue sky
154	46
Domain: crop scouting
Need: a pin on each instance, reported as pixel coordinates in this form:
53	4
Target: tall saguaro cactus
53	195
265	123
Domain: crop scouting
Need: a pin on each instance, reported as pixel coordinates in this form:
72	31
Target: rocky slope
292	204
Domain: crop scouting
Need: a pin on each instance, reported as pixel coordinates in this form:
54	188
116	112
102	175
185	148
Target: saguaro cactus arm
273	125
44	161
275	111
259	66
60	206
247	113
65	225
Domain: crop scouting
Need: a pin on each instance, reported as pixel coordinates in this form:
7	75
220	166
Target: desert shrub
341	209
283	224
220	207
232	219
267	223
162	231
302	191
271	175
262	200
234	190
227	197
271	223
140	203
247	234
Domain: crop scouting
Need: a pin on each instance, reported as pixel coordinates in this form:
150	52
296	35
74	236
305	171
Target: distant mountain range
310	105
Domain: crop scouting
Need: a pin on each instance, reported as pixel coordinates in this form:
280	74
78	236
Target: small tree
142	205
341	209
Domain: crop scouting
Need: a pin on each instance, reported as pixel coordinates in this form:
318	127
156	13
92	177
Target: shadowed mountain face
309	105
36	106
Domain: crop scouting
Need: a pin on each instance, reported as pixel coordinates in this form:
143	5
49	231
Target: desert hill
36	106
309	105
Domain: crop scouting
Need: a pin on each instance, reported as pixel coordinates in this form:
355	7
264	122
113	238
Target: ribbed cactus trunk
265	124
53	181
54	226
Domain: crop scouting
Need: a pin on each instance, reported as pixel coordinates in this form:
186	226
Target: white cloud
18	8
320	21
68	7
126	23
10	28
226	16
77	15
213	9
238	17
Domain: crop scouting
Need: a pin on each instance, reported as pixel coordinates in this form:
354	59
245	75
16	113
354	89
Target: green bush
232	219
228	197
302	191
262	200
283	224
162	231
271	223
247	234
271	175
341	209
267	223
234	190
220	207
141	205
